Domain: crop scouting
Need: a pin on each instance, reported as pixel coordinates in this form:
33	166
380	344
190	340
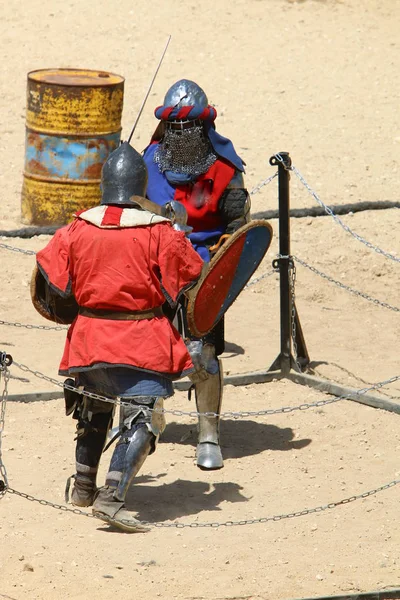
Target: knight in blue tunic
189	162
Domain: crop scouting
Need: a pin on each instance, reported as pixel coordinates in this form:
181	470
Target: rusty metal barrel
73	123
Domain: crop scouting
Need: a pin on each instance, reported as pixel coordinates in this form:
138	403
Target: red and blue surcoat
200	198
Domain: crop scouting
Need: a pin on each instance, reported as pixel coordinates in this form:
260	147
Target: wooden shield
229	271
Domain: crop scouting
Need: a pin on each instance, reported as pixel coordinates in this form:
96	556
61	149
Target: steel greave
209	399
140	446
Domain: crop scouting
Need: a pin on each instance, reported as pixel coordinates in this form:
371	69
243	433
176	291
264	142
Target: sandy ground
320	80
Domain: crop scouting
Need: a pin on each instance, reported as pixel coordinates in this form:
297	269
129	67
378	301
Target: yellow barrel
73	123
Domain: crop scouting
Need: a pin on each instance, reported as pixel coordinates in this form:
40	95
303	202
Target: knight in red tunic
189	162
118	264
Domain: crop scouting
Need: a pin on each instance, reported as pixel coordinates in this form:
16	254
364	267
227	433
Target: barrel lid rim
52	70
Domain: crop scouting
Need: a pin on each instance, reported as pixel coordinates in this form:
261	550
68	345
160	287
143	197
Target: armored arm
173	210
176	212
234	205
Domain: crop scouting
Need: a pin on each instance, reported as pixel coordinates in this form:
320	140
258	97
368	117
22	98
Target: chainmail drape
187	151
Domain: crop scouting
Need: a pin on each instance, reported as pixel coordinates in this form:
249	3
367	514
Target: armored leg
140	429
209	399
94	420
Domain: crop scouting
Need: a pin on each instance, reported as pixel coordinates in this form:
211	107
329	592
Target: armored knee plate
145	410
209	399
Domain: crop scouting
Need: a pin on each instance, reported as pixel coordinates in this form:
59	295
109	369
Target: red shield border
229	271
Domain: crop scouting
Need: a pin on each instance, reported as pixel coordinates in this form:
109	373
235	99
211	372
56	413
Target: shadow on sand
239	438
170	501
232	349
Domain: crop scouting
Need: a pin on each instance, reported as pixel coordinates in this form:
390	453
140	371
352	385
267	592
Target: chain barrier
65	328
256	189
356	377
215	524
228	414
7	247
263	183
338	220
28	326
341	285
5	362
251	283
292	286
274	518
260	278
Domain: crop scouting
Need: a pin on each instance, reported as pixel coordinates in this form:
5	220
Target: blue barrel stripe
68	158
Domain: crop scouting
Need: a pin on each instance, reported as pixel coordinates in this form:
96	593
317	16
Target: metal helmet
124	174
185	101
185	93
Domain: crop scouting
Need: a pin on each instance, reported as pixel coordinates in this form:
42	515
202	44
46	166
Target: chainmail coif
186	151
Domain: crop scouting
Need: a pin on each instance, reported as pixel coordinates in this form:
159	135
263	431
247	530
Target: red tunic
121	268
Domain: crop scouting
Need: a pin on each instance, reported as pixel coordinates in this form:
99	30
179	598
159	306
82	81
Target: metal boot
209	399
113	512
84	490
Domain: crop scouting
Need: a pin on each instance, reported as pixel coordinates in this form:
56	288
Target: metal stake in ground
285	360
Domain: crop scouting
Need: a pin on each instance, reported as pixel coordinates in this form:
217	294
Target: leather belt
137	315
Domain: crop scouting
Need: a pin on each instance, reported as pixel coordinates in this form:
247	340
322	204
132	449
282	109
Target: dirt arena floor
319	79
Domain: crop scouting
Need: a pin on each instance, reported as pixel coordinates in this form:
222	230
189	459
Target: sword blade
149	90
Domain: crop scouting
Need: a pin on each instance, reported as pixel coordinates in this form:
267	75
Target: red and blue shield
229	271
